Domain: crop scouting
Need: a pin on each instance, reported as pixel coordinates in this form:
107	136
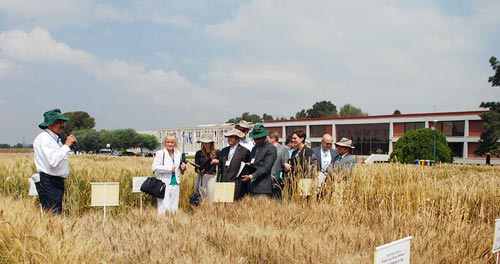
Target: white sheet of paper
32	191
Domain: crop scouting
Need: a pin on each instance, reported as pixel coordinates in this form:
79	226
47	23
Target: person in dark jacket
263	156
230	161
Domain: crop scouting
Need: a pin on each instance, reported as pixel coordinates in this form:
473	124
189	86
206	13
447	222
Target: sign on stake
496	239
397	252
105	194
136	187
224	192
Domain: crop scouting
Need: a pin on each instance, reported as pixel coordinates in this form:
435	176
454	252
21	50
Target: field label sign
137	182
397	252
496	237
105	194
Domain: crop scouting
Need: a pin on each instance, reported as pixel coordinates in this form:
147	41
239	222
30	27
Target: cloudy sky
164	64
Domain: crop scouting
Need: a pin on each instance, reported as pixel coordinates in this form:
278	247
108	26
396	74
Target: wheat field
448	209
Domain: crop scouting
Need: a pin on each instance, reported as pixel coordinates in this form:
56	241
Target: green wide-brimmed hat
50	117
258	131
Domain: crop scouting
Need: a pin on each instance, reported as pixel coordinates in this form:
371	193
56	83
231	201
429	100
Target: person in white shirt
245	126
168	165
51	160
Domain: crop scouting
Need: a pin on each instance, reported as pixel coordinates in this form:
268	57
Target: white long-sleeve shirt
51	156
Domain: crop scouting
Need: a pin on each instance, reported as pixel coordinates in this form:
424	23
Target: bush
419	144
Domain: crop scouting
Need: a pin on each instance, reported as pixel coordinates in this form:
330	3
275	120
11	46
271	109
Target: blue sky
162	64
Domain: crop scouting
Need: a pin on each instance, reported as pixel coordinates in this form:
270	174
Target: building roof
381	116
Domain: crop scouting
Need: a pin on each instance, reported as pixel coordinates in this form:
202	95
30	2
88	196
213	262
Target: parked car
105	152
128	153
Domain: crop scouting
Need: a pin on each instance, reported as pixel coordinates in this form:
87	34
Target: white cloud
409	54
39	47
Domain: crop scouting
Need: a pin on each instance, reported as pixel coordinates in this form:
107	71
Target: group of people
272	162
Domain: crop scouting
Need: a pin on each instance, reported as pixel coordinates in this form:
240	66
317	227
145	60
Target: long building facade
370	134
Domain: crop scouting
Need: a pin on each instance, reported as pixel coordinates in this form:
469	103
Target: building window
410	126
453	128
457	149
315	144
317	131
291	129
367	138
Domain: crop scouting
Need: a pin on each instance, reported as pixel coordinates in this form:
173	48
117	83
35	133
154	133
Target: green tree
349	110
88	140
495	79
247	117
396	112
488	142
147	142
266	117
107	137
322	109
300	115
79	120
419	144
126	138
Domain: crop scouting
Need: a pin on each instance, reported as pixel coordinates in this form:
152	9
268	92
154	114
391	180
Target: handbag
198	194
154	187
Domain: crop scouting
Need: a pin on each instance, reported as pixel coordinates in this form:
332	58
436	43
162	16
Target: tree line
81	124
318	110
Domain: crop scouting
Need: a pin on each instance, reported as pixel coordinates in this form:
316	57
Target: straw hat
244	124
234	132
344	142
206	138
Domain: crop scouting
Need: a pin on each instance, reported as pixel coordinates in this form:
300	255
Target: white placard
224	192
32	191
305	187
105	194
137	182
397	252
496	237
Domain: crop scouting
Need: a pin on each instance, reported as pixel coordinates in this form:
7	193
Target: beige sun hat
234	132
344	142
206	138
244	124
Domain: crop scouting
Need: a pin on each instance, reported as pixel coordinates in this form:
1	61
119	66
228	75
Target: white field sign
397	252
137	182
496	237
224	192
105	194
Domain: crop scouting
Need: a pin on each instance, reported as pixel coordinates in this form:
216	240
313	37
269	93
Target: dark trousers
278	187
50	192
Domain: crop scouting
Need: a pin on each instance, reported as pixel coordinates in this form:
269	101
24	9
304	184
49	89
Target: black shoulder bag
154	186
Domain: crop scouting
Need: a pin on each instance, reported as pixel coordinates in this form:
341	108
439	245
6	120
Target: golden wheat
448	209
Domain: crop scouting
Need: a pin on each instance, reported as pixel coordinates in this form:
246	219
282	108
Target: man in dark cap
263	156
51	160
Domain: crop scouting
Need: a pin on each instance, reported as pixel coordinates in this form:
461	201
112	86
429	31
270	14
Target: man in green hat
51	160
263	156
